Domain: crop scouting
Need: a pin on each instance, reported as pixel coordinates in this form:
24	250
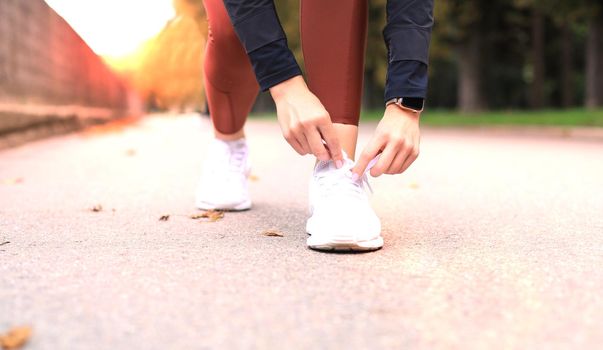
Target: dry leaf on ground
273	233
15	338
211	215
253	177
97	208
164	217
13	181
131	152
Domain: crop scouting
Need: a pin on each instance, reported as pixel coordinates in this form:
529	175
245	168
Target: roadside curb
22	123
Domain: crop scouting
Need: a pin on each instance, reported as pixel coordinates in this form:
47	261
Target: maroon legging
333	39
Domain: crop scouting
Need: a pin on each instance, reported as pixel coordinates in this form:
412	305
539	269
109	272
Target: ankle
348	136
229	137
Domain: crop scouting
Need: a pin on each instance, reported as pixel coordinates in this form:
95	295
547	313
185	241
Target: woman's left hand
396	138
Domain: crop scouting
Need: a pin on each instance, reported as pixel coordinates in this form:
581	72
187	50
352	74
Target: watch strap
412	104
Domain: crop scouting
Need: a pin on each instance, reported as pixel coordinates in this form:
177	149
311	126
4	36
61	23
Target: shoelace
364	177
333	180
236	159
231	158
343	178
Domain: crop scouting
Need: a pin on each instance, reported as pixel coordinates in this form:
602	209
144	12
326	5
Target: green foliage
288	12
376	58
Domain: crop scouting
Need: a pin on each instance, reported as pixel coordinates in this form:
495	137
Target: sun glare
157	54
115	28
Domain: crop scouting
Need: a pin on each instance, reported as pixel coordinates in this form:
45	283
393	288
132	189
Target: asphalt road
491	241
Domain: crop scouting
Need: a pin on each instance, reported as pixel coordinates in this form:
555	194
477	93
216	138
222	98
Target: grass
569	117
451	118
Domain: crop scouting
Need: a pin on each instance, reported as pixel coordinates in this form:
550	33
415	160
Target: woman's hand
305	122
396	138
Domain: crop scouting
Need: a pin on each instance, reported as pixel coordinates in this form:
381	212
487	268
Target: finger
316	145
413	155
386	159
330	136
297	138
297	146
370	151
303	141
396	167
292	140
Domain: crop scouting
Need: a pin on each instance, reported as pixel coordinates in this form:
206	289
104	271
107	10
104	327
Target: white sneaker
223	184
341	215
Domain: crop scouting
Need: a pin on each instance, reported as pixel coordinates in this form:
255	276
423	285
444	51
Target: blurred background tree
497	54
167	69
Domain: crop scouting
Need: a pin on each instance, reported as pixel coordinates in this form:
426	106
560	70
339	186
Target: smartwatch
410	104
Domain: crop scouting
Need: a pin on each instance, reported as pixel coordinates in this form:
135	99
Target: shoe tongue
348	164
237	144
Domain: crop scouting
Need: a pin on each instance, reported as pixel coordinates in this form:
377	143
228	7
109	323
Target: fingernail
338	163
354	177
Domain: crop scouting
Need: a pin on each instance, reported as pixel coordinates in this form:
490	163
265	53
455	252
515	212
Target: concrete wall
47	72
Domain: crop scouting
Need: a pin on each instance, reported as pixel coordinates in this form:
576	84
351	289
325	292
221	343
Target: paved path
491	242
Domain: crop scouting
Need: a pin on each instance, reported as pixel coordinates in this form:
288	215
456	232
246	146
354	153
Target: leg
231	89
333	42
230	83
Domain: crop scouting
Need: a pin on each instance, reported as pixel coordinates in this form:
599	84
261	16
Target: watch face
415	103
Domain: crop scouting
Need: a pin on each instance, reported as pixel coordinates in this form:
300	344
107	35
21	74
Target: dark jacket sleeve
257	25
407	35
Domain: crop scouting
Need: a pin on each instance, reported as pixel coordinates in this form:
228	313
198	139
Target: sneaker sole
343	244
347	246
239	207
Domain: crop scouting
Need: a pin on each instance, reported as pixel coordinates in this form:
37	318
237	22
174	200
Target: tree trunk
470	95
567	63
594	63
537	88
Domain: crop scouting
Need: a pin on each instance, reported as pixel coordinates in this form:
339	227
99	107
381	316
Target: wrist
283	88
412	104
408	105
395	110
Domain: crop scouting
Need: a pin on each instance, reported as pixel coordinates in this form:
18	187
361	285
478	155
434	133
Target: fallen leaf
131	152
97	208
215	216
253	178
15	338
13	181
164	217
273	233
211	215
4	243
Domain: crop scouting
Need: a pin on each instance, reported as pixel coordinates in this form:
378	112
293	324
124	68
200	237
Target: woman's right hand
305	122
